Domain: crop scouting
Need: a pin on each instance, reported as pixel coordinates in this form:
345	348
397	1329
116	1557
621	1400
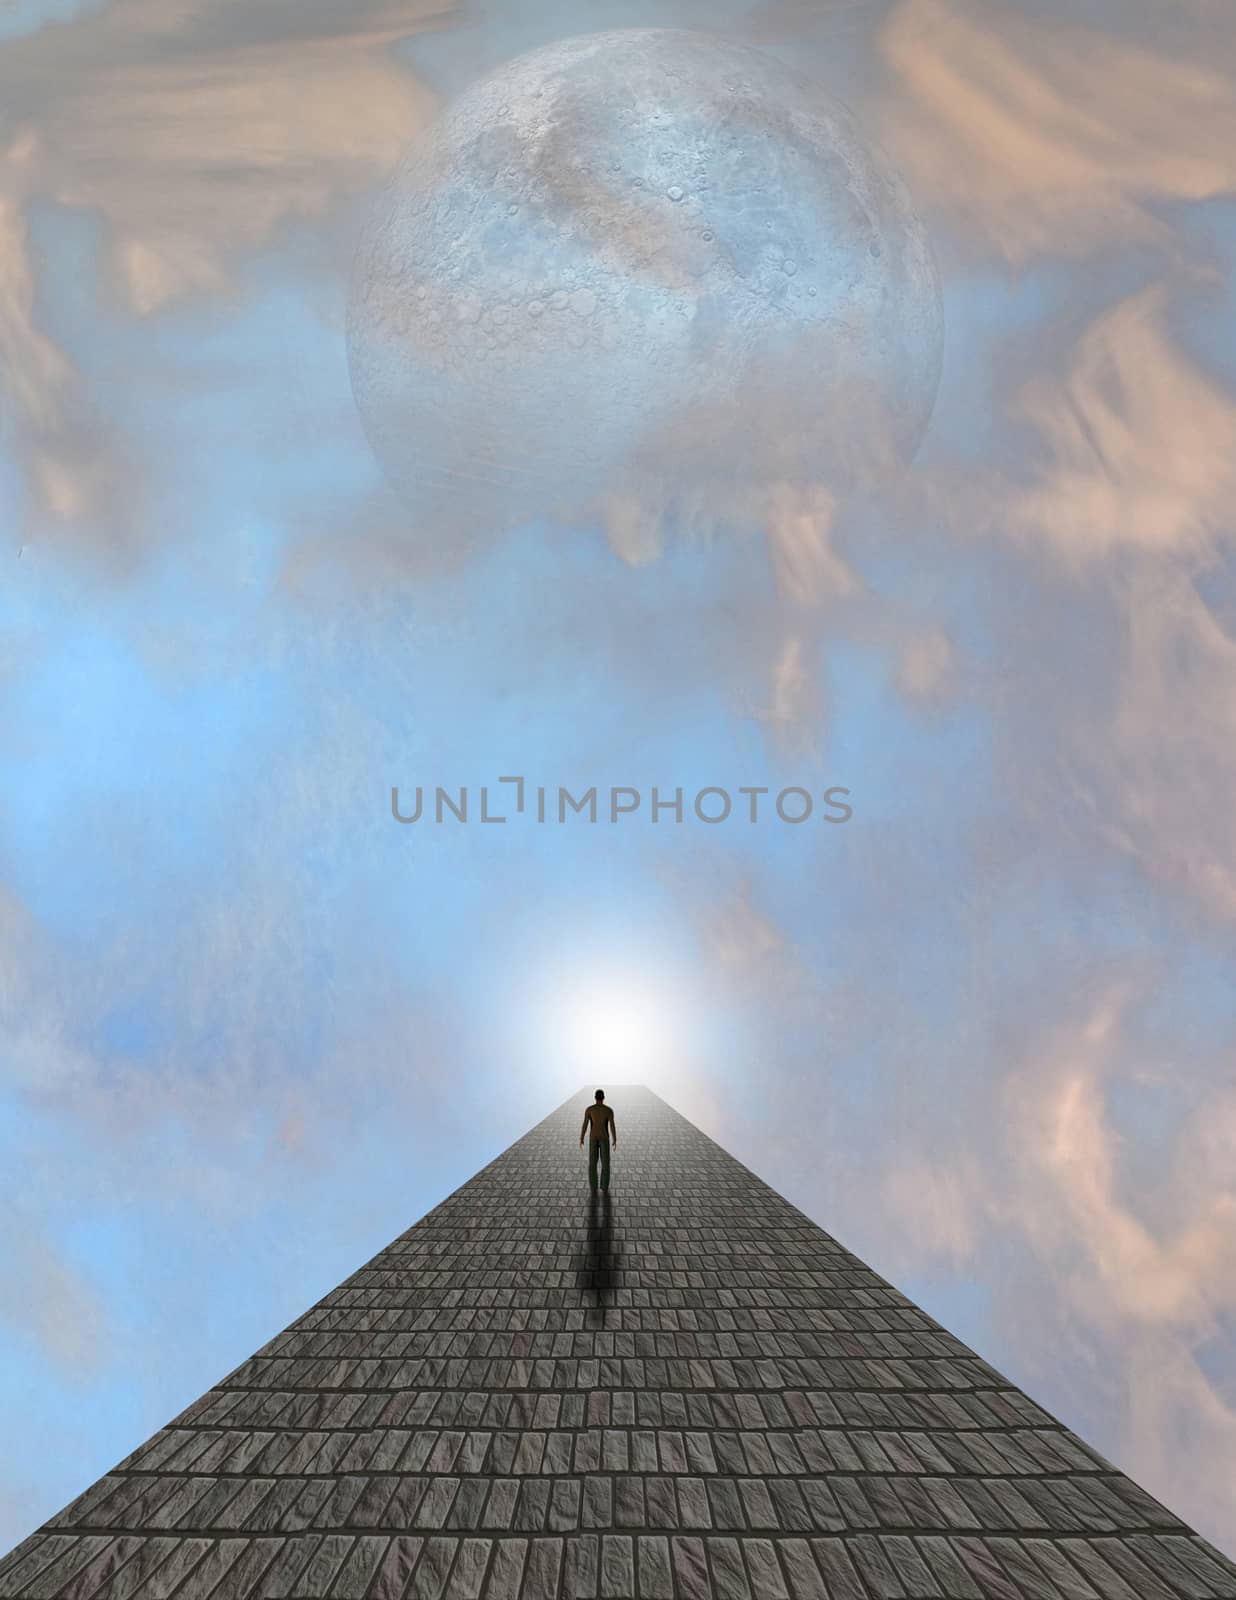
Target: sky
252	1028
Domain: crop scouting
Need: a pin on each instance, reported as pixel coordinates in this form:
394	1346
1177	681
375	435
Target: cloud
794	711
1123	487
812	581
1032	137
1137	444
747	947
1126	760
933	1204
28	16
41	1060
1127	446
1150	1290
71	458
1150	769
925	664
196	143
808	569
195	133
58	1309
773	22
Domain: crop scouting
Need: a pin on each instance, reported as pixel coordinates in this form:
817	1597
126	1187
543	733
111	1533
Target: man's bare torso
599	1119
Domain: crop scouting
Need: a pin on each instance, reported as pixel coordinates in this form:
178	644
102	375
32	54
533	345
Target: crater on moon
632	260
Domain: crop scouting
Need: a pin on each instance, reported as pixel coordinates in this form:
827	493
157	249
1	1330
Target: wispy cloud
925	665
1124	490
1033	136
747	947
59	1310
1150	771
1151	1283
1127	444
194	138
1136	444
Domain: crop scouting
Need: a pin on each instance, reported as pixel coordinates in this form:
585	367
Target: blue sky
251	1028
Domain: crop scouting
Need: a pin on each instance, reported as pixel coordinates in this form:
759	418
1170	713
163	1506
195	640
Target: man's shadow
598	1270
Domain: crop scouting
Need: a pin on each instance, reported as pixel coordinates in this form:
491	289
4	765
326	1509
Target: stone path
686	1390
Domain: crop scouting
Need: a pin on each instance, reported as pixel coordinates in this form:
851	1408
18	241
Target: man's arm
583	1125
613	1127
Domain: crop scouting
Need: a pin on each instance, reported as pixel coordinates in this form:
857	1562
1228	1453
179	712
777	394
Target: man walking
601	1119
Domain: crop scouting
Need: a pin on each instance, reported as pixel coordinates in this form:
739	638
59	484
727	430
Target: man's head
600	1095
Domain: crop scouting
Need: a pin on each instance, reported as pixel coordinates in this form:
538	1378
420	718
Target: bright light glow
610	1013
616	1028
625	1027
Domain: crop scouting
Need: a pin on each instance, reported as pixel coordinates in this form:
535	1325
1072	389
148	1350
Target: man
601	1119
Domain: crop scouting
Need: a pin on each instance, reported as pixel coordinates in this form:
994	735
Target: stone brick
726	1569
877	1570
764	1570
1088	1558
655	1577
802	1575
953	1578
617	1567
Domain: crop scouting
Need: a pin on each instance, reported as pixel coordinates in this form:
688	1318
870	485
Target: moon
631	262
